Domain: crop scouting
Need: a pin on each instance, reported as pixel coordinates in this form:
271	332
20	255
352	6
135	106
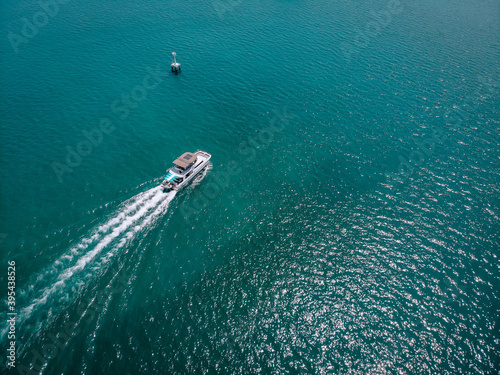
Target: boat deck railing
203	153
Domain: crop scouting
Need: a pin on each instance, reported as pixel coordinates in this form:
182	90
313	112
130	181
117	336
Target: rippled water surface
348	223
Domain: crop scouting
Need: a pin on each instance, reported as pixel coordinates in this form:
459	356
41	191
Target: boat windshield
180	170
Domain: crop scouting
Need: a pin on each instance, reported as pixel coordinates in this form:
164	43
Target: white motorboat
185	168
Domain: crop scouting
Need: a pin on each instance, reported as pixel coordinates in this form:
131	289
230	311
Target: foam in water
134	215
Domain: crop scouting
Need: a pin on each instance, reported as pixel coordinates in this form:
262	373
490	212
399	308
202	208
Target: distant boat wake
68	275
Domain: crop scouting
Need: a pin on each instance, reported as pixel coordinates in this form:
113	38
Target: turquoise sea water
348	223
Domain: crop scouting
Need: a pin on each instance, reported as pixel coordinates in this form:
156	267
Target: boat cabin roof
185	160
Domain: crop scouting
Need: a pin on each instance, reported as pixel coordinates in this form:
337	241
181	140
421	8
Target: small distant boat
185	168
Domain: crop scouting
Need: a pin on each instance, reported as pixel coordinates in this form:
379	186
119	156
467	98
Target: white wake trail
95	236
83	261
130	206
136	214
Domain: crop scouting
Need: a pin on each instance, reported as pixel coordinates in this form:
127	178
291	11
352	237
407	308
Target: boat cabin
184	162
185	168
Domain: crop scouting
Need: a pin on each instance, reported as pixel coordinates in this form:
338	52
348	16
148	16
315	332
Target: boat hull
203	159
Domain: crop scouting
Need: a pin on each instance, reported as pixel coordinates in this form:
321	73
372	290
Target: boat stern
167	186
169	182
